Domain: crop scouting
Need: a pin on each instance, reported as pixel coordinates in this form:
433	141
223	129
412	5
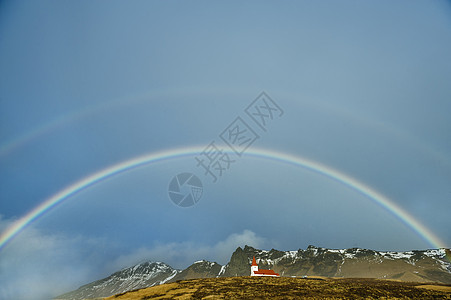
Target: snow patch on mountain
223	268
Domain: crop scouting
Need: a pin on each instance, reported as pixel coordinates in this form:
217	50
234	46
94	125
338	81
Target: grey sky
84	85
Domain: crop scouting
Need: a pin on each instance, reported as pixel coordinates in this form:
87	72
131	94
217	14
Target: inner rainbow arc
370	193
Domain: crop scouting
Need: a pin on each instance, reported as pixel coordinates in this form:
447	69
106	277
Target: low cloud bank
38	265
181	255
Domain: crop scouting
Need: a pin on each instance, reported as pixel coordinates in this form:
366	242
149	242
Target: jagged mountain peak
203	261
246	248
157	265
144	274
417	265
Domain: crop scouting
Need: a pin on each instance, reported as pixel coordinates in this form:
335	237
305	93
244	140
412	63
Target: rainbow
63	119
277	156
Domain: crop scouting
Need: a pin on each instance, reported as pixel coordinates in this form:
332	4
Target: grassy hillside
288	288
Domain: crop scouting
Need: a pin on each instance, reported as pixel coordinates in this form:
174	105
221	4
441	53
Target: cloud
40	265
36	265
181	255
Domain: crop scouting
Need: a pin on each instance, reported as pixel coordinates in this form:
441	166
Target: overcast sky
364	87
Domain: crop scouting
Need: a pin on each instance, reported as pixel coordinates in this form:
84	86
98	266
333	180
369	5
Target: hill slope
286	288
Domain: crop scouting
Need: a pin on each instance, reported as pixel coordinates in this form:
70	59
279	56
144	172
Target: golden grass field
289	288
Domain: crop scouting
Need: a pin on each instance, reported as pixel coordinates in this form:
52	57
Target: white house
256	272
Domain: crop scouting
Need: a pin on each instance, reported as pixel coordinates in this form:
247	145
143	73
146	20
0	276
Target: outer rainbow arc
140	161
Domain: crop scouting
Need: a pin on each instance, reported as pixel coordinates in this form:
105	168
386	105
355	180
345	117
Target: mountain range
418	265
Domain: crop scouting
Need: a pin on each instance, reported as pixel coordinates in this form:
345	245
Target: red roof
266	272
262	271
254	263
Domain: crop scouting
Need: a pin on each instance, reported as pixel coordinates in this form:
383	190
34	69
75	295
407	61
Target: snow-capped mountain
420	266
140	276
199	269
